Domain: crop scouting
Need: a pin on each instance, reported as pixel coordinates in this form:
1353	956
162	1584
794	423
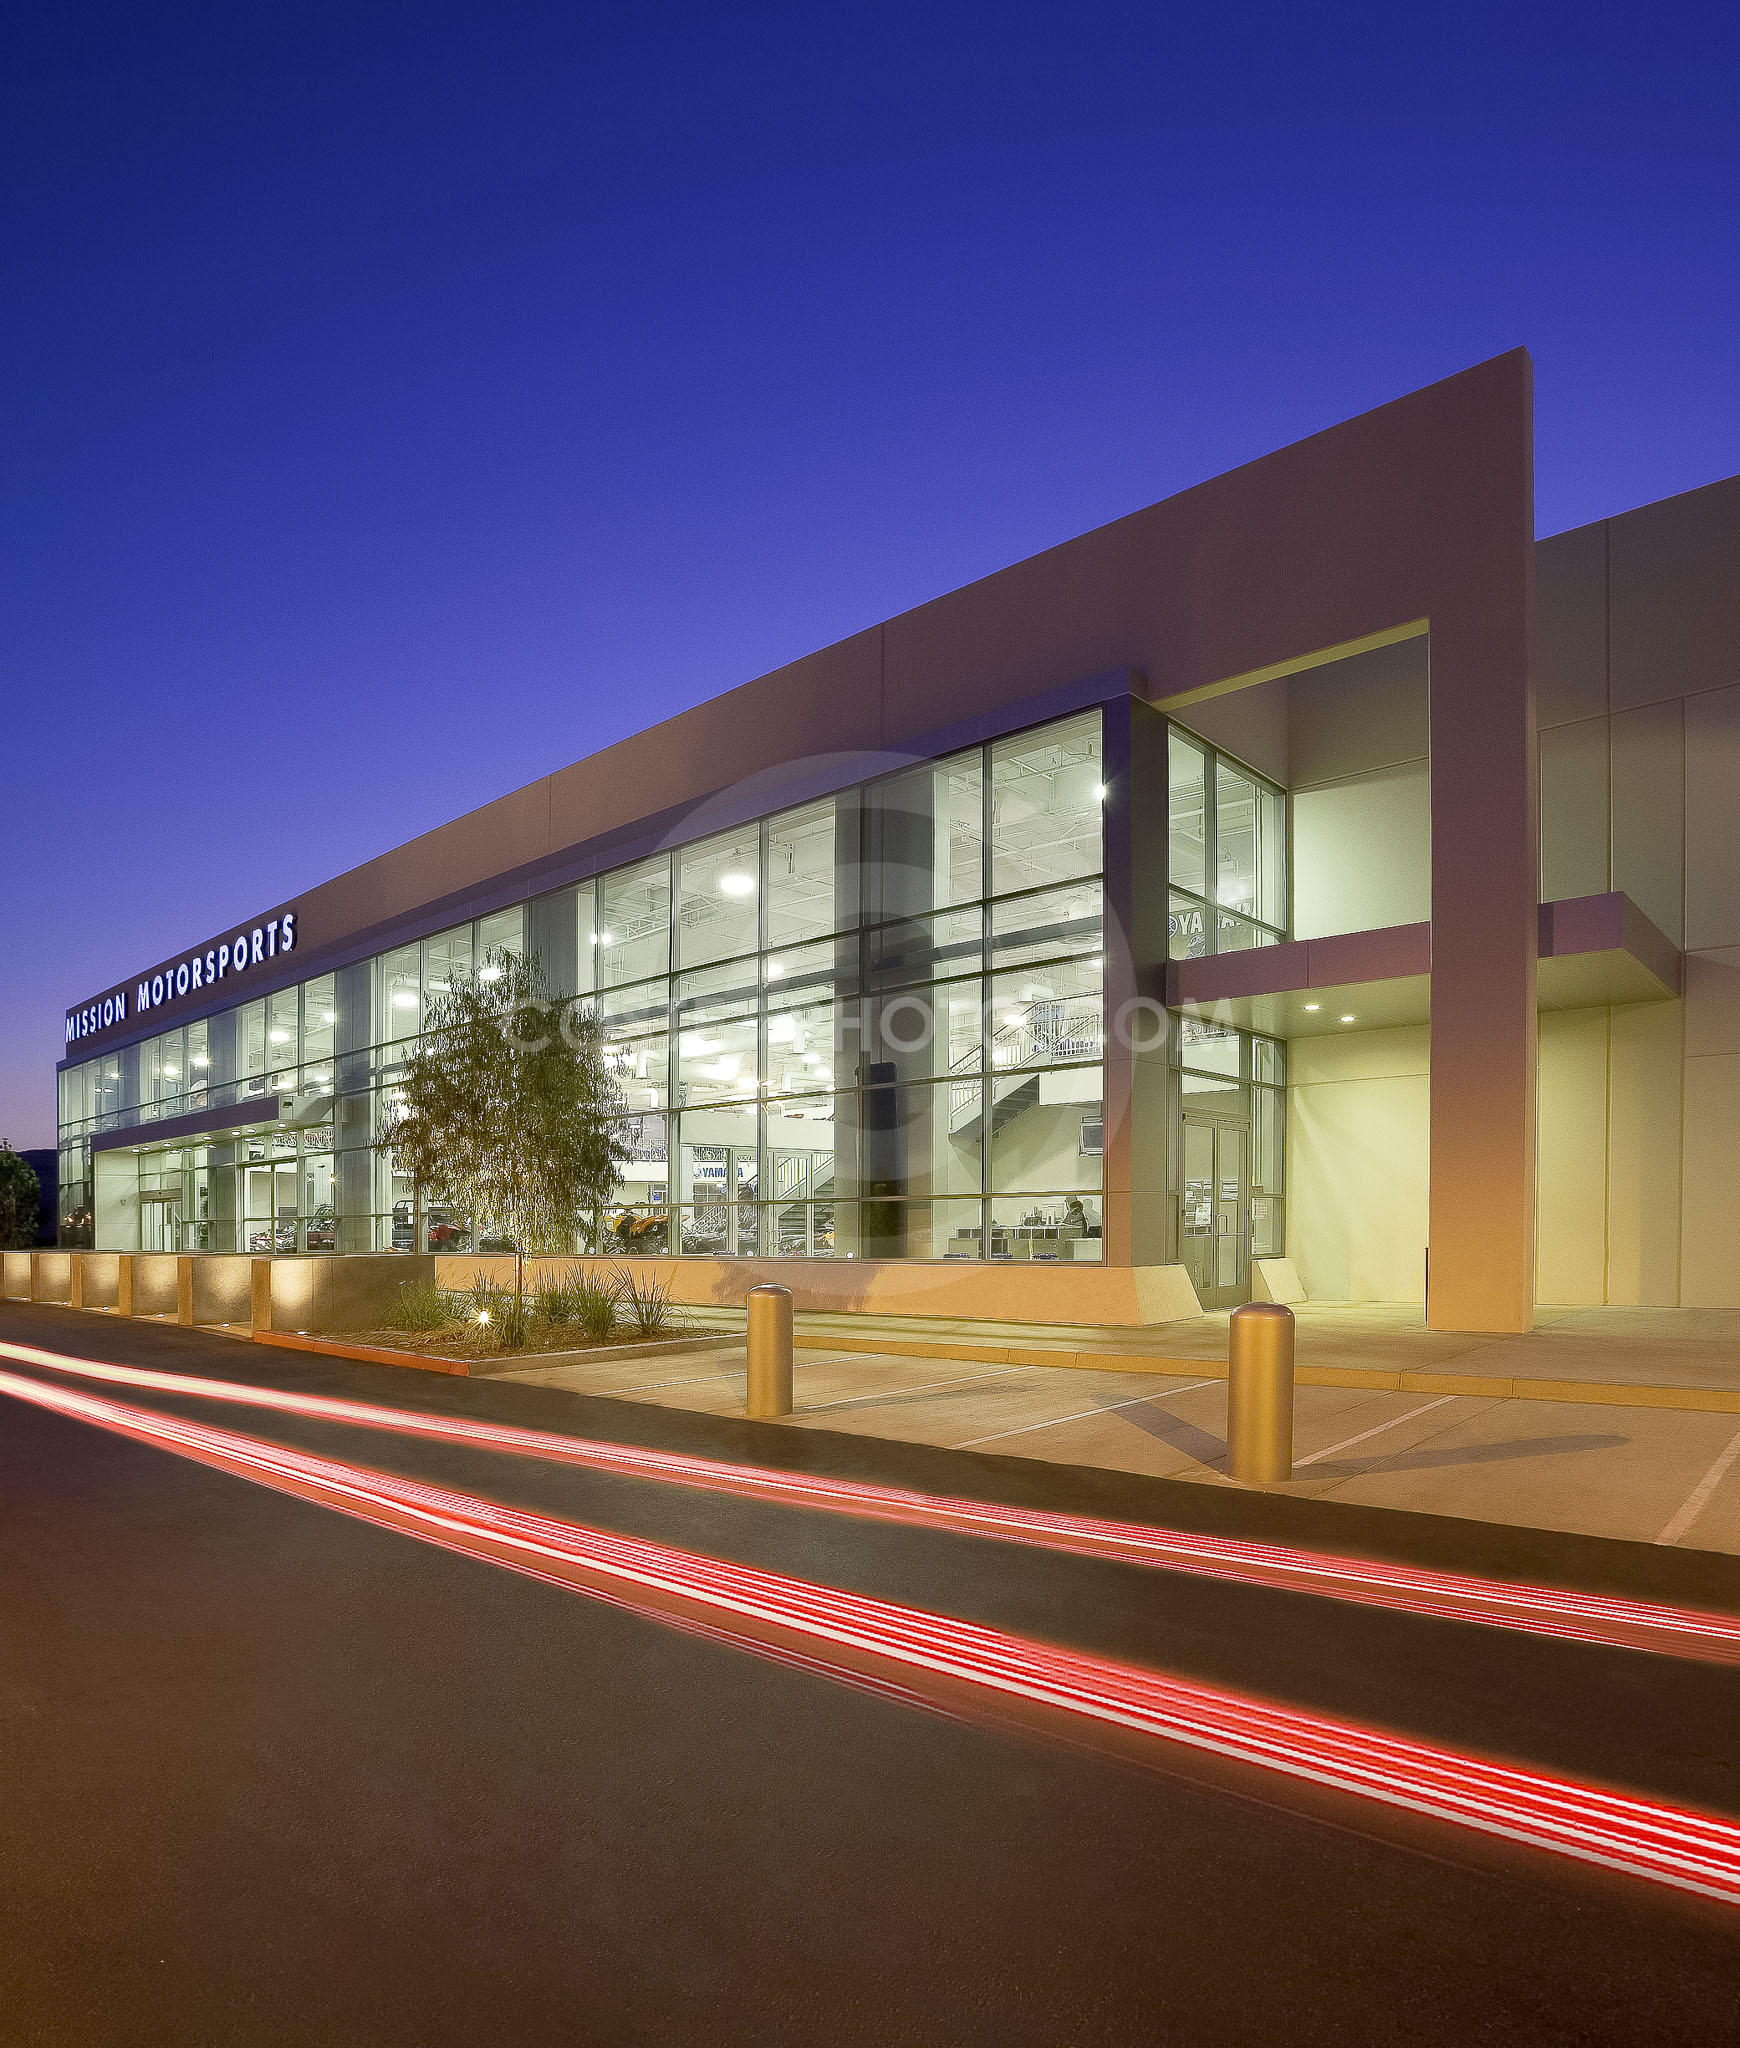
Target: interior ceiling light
775	969
328	1017
403	999
737	884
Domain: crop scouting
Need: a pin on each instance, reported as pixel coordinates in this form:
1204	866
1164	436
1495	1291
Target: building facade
1303	873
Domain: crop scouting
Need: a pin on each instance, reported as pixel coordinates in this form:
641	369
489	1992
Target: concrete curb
554	1361
487	1368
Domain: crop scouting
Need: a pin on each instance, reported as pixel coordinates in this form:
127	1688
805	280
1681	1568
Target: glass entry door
269	1206
1216	1232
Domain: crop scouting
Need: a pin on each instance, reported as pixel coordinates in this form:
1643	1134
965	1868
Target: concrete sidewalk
1605	1468
1686	1355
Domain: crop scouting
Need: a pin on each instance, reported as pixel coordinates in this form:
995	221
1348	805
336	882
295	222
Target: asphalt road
268	1774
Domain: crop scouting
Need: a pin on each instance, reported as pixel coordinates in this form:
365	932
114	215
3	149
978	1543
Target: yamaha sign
248	949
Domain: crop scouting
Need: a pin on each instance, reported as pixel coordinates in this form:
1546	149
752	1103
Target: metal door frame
1209	1293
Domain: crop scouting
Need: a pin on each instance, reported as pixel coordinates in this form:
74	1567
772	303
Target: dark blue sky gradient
401	401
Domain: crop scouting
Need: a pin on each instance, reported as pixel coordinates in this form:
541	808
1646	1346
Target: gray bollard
769	1351
1259	1399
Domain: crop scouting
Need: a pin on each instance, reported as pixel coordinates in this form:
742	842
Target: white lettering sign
199	970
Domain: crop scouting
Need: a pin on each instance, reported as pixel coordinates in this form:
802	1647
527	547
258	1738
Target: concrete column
75	1293
1485	893
260	1294
123	1283
1136	1206
184	1288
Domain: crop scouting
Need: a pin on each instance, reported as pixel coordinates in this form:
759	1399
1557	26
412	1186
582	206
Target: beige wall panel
1574	810
485	842
1710	1256
1354	716
1674	583
1249	724
1712	1002
1571	625
1649	813
1571	1160
1362	853
828	703
1360	1055
1713	818
1643	1171
1356	1188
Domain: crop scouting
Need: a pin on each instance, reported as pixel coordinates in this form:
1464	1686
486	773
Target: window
802	852
401	1005
925	833
446	963
1046	805
719	897
634	923
1226	837
502	932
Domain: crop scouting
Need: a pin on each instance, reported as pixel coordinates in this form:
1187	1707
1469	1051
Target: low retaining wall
156	1284
96	1279
973	1290
357	1290
217	1287
51	1276
348	1291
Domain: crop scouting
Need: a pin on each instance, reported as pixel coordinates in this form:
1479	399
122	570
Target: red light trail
935	1660
1446	1596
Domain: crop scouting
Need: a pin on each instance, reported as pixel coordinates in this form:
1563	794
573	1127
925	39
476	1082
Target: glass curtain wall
1227	848
871	1026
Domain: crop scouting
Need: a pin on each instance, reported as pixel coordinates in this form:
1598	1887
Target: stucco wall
1356	1164
1337	885
1611	1135
1638	670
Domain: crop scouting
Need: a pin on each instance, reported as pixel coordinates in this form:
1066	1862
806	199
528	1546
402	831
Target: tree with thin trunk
509	1106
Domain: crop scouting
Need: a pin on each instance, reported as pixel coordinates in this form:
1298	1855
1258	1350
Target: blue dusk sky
402	401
